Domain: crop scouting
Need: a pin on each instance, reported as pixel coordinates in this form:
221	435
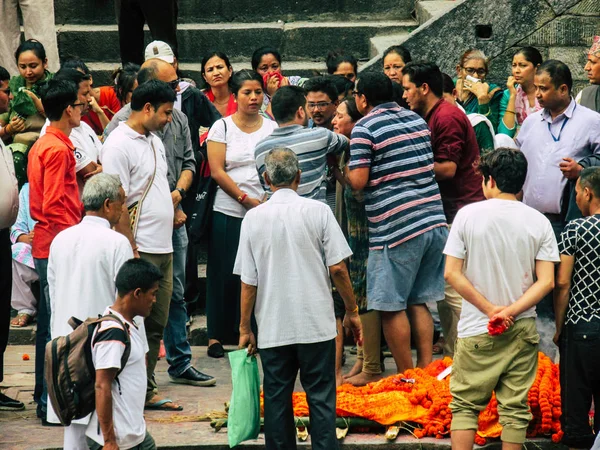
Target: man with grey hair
294	307
83	263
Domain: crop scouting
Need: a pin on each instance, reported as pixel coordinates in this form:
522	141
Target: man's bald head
156	69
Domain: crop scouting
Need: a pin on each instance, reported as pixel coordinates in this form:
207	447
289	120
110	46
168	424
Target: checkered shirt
581	239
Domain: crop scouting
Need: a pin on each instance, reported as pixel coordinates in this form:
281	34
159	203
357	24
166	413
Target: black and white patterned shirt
581	239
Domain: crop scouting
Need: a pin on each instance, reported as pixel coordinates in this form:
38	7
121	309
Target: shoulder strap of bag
153	175
114	318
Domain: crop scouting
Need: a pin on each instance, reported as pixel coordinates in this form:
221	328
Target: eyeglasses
174	84
78	104
319	106
473	71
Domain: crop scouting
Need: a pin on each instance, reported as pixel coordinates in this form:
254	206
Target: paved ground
182	430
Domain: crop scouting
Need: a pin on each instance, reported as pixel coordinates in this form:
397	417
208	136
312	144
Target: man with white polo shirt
138	156
175	136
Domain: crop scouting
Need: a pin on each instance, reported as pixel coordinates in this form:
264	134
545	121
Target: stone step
296	40
426	10
214	11
380	43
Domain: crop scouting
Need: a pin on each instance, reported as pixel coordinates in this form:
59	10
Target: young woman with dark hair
231	143
519	99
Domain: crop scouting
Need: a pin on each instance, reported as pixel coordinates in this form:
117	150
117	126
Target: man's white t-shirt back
500	241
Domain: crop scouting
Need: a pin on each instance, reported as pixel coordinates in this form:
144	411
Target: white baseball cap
160	50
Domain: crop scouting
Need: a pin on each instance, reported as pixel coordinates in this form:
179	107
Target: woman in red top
216	70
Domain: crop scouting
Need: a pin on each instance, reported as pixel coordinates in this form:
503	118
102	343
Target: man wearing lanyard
558	141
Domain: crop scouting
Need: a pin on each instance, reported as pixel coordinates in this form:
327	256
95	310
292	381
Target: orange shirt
53	193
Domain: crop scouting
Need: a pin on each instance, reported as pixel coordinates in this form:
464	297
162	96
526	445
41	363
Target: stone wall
560	29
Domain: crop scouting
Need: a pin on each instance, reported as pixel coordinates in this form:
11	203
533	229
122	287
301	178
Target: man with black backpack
118	421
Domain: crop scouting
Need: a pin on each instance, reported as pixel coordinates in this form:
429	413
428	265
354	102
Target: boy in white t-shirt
118	421
500	259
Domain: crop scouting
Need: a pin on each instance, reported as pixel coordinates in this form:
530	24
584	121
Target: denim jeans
179	352
42	337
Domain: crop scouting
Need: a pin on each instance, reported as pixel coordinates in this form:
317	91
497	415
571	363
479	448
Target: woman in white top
231	143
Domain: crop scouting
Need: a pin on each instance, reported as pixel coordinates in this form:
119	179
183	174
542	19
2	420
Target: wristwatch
182	192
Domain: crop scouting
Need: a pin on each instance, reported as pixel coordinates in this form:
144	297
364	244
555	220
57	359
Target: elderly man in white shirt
84	261
289	247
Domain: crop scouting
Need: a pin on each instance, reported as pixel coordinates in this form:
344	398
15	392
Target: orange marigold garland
417	396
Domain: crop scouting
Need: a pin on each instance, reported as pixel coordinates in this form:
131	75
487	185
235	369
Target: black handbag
202	204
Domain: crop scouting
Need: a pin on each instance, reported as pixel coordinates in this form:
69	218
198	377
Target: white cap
160	50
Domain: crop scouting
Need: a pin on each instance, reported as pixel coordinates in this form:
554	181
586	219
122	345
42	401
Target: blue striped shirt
402	198
311	145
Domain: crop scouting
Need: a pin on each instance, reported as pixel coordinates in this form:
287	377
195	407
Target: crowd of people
352	200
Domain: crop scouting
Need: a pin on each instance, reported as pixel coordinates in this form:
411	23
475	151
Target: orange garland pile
425	402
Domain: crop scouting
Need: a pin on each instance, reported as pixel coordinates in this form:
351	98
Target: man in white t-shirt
138	156
500	259
288	287
118	421
86	143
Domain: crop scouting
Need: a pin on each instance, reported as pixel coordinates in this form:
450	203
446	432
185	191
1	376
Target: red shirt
53	193
109	102
453	139
231	104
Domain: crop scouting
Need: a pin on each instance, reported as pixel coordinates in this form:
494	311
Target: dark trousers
161	16
579	381
5	292
222	286
317	374
42	337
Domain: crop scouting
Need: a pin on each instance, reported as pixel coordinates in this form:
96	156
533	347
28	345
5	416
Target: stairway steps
428	9
296	41
214	11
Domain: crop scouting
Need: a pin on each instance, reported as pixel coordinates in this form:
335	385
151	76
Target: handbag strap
151	179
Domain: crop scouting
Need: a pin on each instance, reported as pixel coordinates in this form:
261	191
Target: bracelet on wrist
355	310
241	198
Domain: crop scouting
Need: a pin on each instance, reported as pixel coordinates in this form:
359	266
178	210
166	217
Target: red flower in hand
496	326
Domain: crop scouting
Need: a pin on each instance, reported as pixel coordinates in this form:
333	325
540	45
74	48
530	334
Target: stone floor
181	430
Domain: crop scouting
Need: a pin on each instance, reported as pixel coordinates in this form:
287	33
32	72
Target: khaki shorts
506	364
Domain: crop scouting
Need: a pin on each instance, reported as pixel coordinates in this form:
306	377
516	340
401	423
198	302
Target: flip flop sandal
160	405
21	320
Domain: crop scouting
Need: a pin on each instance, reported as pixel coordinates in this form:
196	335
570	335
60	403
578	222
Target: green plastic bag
243	421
